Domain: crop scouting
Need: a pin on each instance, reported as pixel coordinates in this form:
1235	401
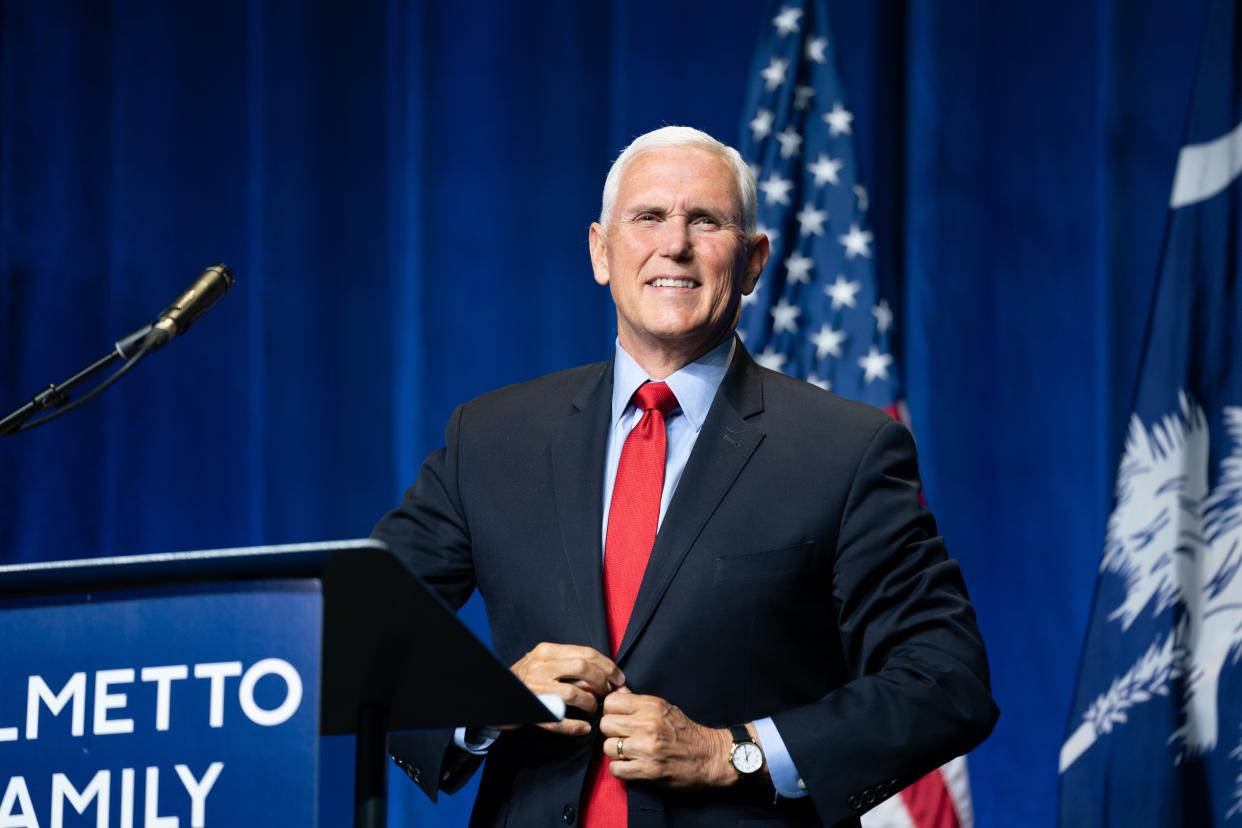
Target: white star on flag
761	124
774	75
785	316
856	242
875	365
776	189
842	292
787	21
838	120
827	341
772	235
802	96
812	220
752	297
791	141
883	316
815	49
826	170
819	383
799	268
771	359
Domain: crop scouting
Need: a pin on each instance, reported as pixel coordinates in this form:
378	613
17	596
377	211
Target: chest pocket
786	562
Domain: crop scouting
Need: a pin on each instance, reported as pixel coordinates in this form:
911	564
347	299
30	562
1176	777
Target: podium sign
189	689
162	707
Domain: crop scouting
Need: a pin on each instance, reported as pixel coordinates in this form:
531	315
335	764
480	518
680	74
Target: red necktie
632	521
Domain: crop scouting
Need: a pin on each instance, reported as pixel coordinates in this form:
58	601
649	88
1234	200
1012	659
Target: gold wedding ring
621	749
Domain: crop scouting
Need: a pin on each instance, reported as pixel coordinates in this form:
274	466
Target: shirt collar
694	385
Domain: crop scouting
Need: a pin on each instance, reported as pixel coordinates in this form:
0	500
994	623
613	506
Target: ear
755	261
597	239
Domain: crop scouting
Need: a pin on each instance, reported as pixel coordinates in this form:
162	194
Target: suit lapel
579	442
725	444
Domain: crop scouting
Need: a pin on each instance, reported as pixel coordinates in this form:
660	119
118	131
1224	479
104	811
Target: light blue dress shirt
695	387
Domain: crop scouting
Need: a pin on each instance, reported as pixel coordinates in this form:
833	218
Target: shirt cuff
476	740
785	778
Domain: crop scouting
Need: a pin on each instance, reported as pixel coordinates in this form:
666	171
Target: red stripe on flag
929	803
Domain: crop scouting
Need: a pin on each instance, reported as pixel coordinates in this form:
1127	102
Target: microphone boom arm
172	321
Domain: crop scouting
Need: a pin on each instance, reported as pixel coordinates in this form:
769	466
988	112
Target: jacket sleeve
921	693
429	531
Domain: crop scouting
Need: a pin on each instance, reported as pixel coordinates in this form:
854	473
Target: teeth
675	283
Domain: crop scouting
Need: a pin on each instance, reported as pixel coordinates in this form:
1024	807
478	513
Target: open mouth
666	282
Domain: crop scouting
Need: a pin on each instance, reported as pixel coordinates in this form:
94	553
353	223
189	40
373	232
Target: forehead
675	175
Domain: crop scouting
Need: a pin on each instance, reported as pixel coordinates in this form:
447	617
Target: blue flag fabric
1155	735
816	313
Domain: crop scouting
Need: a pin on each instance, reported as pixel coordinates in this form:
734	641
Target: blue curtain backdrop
403	189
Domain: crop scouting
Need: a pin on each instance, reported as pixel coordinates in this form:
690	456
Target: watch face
747	757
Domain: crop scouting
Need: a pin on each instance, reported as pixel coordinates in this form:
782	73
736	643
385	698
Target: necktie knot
657	396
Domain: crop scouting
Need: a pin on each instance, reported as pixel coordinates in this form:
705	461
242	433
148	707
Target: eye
706	221
646	218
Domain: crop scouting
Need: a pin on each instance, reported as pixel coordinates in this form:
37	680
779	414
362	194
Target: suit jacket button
416	774
569	814
869	797
855	803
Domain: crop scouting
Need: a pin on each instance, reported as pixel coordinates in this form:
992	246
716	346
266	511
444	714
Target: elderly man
725	573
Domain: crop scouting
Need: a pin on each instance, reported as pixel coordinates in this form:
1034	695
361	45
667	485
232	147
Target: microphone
177	318
173	321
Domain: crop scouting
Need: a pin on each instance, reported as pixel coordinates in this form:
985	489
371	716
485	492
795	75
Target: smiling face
675	256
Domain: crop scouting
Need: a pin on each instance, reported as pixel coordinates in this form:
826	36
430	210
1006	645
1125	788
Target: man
725	573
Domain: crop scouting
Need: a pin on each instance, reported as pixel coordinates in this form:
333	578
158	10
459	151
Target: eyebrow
645	208
724	217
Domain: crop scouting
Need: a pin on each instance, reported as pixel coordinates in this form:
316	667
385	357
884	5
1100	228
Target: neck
662	359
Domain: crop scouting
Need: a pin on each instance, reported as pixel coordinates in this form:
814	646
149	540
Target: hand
579	675
662	744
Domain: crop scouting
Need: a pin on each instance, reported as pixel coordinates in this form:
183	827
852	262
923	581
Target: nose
676	238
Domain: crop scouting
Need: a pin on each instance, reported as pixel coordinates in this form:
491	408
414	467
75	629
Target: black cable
93	393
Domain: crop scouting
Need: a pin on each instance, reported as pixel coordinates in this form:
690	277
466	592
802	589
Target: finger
613	724
547	651
559	670
567	727
583	671
573	696
641	747
612	673
631	769
599	678
625	702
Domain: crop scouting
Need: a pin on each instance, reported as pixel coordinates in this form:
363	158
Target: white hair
680	136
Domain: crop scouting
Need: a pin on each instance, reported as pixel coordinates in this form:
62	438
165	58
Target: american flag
817	312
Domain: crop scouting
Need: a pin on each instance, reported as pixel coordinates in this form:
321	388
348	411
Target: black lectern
200	665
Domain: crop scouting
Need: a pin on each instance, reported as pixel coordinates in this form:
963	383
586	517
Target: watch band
741	734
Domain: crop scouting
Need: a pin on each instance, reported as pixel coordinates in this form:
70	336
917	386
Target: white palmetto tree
1176	542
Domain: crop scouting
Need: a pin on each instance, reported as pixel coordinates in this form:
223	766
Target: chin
679	329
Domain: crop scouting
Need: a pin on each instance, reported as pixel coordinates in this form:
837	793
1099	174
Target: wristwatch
745	756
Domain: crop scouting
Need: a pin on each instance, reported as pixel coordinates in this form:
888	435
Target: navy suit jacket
796	575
